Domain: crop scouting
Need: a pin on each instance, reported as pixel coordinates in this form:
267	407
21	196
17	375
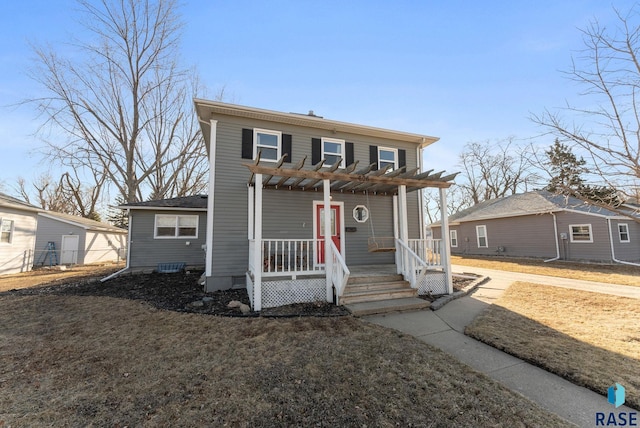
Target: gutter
613	252
555	229
126	268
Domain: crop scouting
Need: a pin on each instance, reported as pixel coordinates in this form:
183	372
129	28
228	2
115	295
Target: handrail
429	250
339	270
412	267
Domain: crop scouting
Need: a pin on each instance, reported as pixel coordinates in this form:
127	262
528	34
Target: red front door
335	228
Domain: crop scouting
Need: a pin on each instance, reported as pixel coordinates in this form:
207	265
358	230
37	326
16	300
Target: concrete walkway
444	329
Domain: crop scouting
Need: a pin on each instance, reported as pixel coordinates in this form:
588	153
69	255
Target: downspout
555	230
613	253
113	275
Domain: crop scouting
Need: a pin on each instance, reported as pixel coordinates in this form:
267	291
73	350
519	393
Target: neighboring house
76	240
272	174
167	231
544	225
18	223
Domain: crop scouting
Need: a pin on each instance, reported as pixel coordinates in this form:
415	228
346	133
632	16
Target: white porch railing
429	250
287	257
411	266
339	271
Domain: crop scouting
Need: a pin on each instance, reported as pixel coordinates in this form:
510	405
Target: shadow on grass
579	362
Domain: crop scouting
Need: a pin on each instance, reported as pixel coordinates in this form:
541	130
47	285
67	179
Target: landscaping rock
234	304
245	309
197	304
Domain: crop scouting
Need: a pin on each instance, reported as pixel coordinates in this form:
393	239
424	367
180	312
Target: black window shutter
348	153
402	158
286	147
373	156
247	143
316	150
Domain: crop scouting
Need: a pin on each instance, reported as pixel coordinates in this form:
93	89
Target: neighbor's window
623	231
481	233
176	226
6	231
268	143
361	213
454	237
387	156
581	233
332	150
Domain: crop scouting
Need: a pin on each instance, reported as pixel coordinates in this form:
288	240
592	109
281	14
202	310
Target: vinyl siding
18	255
289	214
145	251
52	230
627	251
104	247
598	250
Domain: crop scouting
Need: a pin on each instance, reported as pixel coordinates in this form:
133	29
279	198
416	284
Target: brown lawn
46	276
588	338
611	274
101	361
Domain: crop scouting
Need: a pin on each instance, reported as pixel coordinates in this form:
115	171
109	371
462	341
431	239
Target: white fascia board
127	207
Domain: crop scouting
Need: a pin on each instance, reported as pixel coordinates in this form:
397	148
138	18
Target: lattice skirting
433	283
279	293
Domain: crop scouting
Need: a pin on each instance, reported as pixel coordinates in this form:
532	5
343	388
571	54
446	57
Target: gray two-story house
271	176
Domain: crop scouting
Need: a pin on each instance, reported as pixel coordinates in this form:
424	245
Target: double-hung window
268	144
332	151
454	238
6	231
623	232
481	233
581	233
387	156
176	226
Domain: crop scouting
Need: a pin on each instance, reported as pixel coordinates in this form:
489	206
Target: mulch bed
181	292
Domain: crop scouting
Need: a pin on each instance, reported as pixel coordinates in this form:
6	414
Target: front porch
289	273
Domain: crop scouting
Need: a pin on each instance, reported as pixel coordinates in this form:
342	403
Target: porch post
257	249
445	248
395	232
250	213
328	260
402	206
210	199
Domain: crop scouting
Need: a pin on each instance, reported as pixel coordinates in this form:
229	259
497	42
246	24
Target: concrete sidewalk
444	329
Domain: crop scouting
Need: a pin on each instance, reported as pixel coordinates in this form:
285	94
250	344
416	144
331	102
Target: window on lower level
454	238
176	226
623	232
481	233
581	233
6	231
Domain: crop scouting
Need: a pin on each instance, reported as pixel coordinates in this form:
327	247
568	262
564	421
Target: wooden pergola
335	179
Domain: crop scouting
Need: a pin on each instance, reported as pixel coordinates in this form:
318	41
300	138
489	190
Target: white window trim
395	156
626	232
256	148
453	238
11	232
175	236
484	235
342	149
581	241
355	213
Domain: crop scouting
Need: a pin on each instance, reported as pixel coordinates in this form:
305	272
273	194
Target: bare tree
493	170
608	127
124	103
457	200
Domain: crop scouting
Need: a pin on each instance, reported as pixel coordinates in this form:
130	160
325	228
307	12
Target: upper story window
481	233
623	232
6	231
581	233
332	150
268	143
454	238
387	156
176	226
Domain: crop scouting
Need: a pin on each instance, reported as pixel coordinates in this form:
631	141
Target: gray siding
627	251
145	251
289	214
598	250
50	230
17	256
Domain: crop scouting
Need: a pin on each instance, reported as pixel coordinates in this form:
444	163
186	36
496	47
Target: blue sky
459	70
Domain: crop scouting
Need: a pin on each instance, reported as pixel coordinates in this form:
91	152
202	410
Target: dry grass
44	276
99	361
611	274
588	338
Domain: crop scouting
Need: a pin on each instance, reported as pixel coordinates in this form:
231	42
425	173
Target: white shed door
69	250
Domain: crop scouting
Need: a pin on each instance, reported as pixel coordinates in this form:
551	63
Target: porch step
370	288
386	306
364	278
